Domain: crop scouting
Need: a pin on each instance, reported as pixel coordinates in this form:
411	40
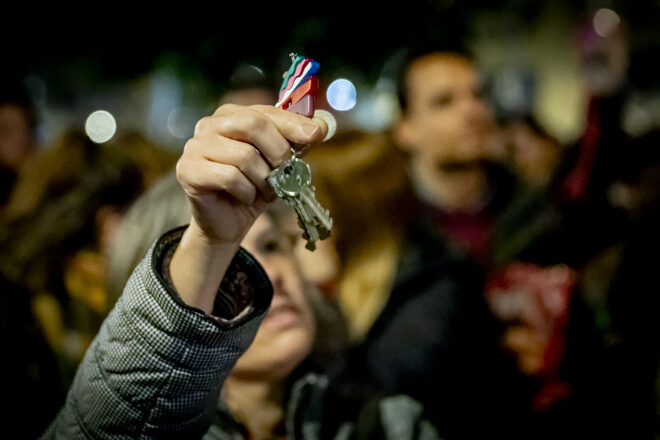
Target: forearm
198	267
157	365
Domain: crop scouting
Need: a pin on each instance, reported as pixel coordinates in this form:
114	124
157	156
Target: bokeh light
181	122
341	94
100	126
605	21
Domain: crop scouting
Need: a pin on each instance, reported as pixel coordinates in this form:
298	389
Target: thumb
326	122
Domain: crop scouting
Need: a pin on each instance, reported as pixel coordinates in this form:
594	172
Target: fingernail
310	129
329	120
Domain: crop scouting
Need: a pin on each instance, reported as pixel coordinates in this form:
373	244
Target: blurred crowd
478	263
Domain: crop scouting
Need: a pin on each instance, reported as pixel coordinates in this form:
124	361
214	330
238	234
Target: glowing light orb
605	21
341	94
100	126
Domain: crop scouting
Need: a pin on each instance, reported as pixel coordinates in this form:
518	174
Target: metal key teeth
323	233
292	182
326	225
311	245
302	226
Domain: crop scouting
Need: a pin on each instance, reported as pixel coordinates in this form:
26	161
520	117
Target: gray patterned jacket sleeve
156	367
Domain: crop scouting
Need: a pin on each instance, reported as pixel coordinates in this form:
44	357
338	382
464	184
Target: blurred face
286	335
15	141
447	120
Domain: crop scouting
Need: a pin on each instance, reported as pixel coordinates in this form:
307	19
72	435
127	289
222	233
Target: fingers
296	129
325	117
199	181
250	127
240	155
235	149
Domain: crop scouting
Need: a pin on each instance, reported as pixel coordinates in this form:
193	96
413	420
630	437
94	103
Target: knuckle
235	184
246	156
179	168
202	125
231	177
181	175
191	148
226	108
261	108
254	120
188	146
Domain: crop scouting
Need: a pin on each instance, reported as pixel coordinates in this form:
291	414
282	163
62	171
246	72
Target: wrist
195	235
198	267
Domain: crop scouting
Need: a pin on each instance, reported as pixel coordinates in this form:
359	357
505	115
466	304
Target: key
321	216
289	181
300	83
292	180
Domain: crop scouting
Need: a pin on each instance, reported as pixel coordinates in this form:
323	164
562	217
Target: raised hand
223	170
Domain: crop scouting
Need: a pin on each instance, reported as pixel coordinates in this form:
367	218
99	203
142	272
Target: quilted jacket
156	367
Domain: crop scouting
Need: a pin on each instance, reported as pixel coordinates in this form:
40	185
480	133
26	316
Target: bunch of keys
292	181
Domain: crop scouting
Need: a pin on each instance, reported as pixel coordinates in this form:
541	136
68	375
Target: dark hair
415	51
15	93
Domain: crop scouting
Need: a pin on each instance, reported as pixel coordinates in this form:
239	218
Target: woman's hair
361	177
163	207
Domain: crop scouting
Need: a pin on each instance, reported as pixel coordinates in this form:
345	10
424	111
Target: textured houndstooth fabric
155	369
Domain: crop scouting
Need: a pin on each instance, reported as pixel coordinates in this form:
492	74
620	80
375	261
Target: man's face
286	334
447	120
